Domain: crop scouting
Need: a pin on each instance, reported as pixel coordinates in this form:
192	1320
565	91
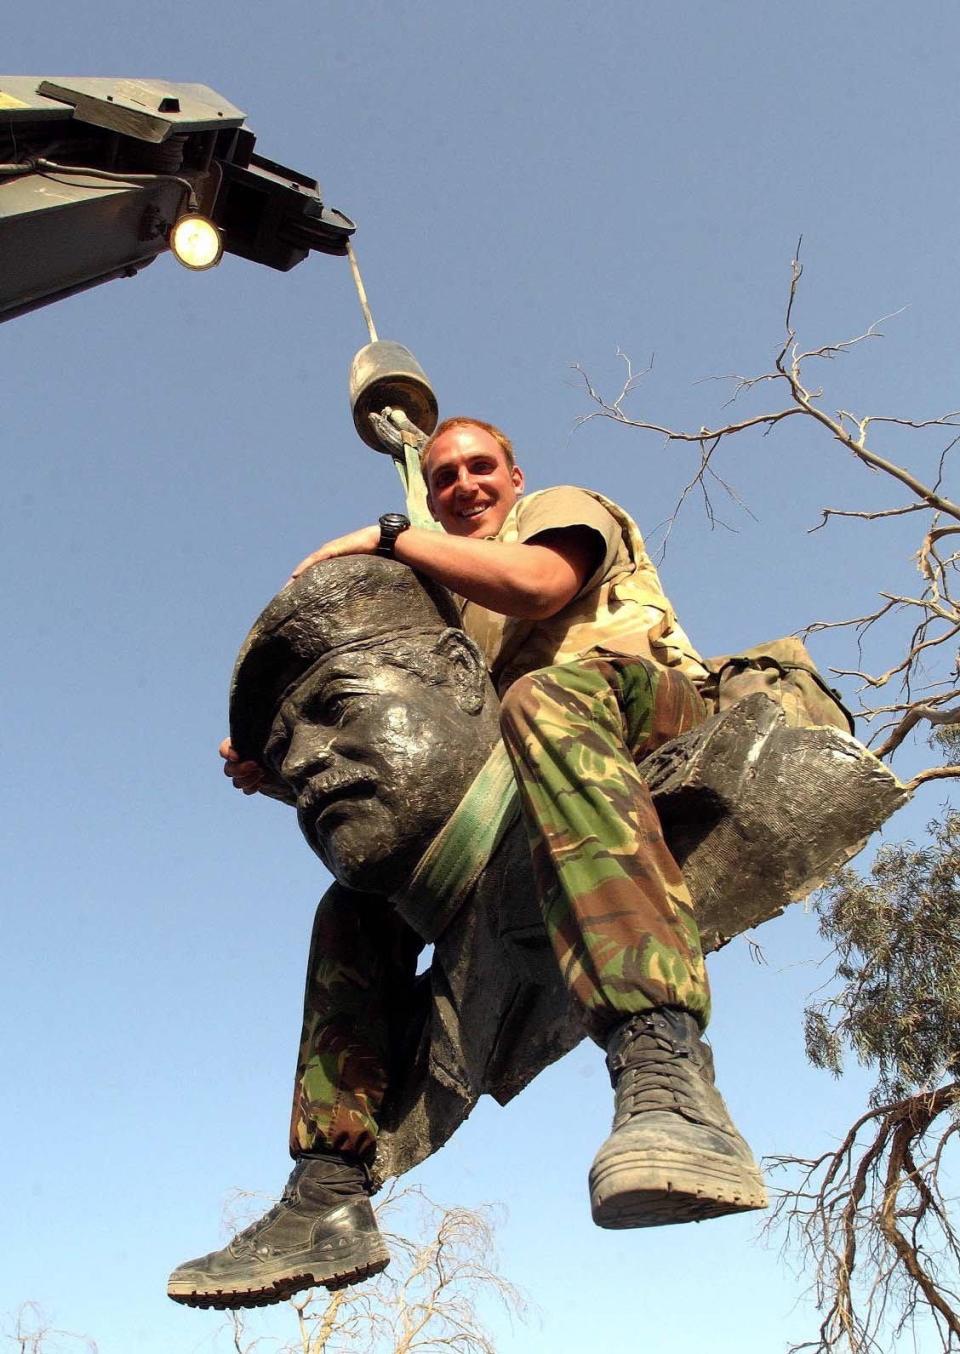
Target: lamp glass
196	242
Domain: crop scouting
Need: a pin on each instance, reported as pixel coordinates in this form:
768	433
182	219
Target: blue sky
535	184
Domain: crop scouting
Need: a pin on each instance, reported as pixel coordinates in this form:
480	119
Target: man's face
372	752
471	489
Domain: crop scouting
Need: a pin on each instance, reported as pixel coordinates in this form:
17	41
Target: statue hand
362	542
246	776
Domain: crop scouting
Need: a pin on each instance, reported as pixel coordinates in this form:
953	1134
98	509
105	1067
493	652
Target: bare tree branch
866	516
937	620
913	717
848	1200
34	1333
933	773
427	1300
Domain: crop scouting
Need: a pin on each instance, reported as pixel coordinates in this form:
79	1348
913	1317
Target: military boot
673	1154
322	1232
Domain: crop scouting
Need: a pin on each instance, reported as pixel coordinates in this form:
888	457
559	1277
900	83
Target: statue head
367	704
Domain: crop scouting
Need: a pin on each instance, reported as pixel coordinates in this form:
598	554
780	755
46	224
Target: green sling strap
455	858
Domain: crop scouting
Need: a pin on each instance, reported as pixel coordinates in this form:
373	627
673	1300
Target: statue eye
335	707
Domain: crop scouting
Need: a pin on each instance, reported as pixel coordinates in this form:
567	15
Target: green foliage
896	935
946	739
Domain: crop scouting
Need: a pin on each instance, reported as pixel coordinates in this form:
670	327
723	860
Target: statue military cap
352	602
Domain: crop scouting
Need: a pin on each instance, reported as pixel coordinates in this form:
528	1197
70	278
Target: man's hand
246	776
362	542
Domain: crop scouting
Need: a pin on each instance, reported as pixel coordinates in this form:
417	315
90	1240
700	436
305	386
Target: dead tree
32	1332
427	1301
872	1218
915	694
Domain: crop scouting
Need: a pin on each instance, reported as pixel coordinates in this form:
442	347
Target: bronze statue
411	1055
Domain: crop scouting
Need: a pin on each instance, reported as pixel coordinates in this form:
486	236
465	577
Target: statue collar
454	860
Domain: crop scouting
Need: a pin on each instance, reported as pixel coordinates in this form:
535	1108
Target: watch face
391	525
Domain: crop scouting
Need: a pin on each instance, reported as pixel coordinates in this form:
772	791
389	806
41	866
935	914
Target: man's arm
530	580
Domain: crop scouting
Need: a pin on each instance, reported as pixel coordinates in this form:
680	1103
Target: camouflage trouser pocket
614	902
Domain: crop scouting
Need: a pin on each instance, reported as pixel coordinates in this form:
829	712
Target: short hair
461	421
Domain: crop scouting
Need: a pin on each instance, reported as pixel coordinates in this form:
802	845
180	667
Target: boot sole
637	1188
363	1263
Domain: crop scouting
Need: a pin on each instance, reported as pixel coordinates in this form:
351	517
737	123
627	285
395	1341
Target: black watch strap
391	525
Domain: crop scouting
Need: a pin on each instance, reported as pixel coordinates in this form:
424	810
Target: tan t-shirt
621	606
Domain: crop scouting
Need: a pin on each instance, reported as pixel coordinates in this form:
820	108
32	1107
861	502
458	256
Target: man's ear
468	671
426	486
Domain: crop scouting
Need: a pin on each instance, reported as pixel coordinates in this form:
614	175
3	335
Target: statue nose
309	751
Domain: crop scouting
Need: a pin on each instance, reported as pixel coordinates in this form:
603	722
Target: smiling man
594	672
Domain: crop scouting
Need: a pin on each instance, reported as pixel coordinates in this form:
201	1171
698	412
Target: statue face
378	758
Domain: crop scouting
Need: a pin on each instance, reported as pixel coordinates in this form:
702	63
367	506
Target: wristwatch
391	525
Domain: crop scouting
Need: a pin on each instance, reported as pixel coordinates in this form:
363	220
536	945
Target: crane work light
196	243
99	176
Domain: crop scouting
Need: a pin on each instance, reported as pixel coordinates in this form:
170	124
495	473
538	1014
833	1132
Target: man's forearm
527	581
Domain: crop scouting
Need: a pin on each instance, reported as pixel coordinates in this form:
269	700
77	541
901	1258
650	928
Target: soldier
593	671
592	666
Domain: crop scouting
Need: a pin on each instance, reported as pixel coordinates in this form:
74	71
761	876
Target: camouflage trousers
615	906
614	903
360	988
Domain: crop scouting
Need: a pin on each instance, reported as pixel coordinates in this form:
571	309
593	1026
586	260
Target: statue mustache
322	791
